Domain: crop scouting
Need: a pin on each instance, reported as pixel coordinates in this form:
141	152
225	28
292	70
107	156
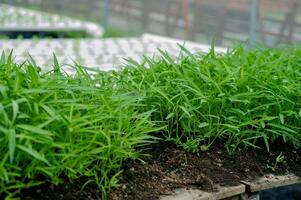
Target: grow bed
30	33
100	54
15	20
208	121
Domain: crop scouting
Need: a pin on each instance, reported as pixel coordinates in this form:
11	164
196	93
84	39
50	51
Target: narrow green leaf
170	115
2	60
167	57
56	66
15	110
33	153
266	143
282	127
33	129
31	61
12	144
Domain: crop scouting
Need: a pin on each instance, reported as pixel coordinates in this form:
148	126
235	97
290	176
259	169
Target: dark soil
169	168
65	191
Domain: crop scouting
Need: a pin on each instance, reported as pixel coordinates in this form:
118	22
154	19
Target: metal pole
253	24
106	13
145	15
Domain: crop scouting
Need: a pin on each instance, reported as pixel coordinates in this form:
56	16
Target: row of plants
87	124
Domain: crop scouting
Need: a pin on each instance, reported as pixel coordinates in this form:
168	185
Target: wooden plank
271	181
195	194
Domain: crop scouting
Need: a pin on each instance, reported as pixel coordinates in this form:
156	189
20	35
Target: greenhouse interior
150	99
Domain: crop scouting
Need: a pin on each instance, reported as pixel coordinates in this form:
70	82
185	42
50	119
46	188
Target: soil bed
169	168
65	191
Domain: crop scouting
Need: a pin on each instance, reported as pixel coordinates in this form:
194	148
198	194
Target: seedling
279	160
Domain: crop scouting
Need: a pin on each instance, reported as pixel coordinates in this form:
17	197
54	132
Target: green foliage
241	97
111	32
53	123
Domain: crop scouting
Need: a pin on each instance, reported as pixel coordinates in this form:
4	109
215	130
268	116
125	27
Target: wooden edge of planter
195	194
271	181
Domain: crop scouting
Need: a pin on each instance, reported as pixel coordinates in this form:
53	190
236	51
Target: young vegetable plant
55	124
242	97
83	125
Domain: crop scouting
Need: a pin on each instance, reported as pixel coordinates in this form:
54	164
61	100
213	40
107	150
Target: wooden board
195	194
271	181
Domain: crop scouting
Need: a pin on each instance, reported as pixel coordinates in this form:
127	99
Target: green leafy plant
241	97
53	124
112	32
87	124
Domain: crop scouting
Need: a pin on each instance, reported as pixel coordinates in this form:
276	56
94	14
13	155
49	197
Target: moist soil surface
169	167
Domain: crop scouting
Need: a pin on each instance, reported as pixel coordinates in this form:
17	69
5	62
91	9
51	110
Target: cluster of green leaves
53	124
242	97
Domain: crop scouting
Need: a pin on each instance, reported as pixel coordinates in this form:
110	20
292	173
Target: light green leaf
203	124
33	129
15	110
170	115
